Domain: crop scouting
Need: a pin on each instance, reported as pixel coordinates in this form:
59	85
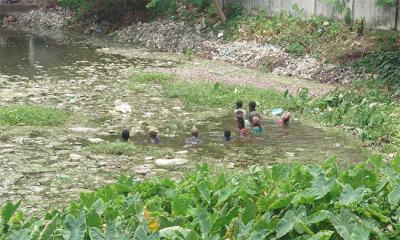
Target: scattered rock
82	129
73	156
143	170
122	107
170	162
95	140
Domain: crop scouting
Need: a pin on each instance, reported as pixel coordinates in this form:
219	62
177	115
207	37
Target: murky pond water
47	166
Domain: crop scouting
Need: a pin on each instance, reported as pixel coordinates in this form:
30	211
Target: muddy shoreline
178	37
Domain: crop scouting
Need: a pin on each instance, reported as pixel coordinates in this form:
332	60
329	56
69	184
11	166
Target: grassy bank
287	201
31	115
367	112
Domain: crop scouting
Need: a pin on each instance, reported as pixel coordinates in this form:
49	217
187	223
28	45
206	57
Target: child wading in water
241	128
227	135
154	139
239	108
253	112
194	140
257	129
284	121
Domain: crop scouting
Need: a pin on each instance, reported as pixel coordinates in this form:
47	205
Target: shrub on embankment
285	201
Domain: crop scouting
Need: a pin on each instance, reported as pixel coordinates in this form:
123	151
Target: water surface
47	166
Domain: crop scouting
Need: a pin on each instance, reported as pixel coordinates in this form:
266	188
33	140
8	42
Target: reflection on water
27	54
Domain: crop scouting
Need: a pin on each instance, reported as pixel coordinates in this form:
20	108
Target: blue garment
193	141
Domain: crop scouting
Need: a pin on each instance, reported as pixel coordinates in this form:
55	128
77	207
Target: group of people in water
247	123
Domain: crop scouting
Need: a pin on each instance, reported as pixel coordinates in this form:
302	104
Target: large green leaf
250	211
319	217
322	235
343	223
178	233
76	227
110	234
8	211
292	219
359	233
93	219
204	191
225	193
181	204
319	188
394	196
141	231
22	234
350	197
49	229
88	199
204	220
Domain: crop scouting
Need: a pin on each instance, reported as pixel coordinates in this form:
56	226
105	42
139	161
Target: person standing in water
154	139
241	128
239	107
194	139
227	135
284	121
257	129
253	112
240	114
125	135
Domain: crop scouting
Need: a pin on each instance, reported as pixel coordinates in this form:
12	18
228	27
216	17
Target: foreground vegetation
32	115
367	112
286	201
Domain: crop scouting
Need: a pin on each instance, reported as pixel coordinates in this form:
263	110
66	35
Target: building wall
375	16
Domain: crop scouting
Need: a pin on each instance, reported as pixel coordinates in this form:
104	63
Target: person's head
239	104
286	117
153	132
240	123
256	121
239	114
227	134
195	132
252	106
125	135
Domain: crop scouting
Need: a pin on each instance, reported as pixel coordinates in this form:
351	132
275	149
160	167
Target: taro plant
284	201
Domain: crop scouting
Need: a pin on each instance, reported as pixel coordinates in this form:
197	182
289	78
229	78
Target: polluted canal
48	166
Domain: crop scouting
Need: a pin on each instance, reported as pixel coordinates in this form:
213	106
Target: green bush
31	115
161	6
285	201
385	65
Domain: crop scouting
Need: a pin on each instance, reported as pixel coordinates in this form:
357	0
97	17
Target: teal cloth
257	130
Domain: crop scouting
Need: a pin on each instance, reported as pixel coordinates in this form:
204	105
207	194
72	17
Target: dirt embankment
176	36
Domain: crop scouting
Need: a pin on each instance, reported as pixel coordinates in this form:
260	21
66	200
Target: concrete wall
375	16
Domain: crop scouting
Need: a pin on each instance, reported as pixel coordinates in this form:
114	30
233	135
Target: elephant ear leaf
350	197
291	220
343	223
322	235
76	227
23	234
8	211
359	233
49	229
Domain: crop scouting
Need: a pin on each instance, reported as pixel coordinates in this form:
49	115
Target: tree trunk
221	14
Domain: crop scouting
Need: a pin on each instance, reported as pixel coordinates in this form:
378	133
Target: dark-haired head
239	104
227	134
240	123
252	106
125	135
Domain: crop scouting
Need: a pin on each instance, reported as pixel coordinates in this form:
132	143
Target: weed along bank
195	120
